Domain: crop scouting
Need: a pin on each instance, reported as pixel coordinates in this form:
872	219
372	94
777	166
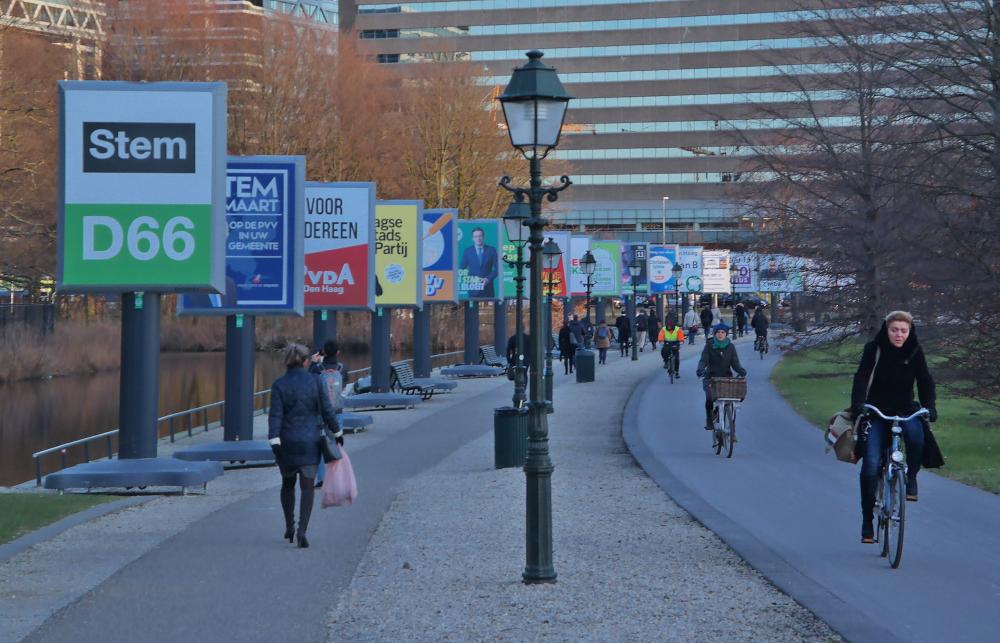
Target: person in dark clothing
624	333
898	362
740	313
579	331
760	325
641	327
299	407
706	321
653	327
525	348
718	359
567	347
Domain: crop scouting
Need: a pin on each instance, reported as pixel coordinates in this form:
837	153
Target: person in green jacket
718	359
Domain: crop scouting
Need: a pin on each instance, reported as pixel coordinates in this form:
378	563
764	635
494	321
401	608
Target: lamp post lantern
534	106
634	270
514	220
677	271
588	264
551	253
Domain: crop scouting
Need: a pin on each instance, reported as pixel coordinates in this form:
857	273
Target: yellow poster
398	253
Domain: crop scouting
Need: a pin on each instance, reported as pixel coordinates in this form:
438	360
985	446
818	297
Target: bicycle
671	361
760	345
890	497
727	394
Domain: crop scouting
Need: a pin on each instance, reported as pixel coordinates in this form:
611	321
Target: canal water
37	415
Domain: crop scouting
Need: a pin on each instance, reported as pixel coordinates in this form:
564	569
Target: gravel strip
446	562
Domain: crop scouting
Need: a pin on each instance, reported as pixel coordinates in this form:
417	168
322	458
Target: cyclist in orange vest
671	336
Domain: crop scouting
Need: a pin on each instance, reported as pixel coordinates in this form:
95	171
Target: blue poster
264	249
661	268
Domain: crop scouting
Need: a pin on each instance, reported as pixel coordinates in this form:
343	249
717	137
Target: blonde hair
294	354
899	316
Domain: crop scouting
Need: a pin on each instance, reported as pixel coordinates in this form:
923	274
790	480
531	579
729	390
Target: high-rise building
658	85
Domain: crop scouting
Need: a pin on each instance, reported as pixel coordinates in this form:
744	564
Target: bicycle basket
728	387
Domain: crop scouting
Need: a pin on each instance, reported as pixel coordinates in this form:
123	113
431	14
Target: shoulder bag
842	432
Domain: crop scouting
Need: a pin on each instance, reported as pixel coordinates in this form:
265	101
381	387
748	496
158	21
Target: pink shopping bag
339	486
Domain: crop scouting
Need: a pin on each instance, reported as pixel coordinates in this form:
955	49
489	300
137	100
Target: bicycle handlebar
896	418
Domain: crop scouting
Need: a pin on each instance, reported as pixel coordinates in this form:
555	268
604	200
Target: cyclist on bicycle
671	335
898	361
718	359
760	324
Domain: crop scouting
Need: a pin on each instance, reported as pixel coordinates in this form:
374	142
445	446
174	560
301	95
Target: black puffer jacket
760	323
299	408
720	362
897	370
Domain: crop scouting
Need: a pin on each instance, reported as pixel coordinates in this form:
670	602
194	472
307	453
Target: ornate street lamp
534	106
514	220
677	271
588	264
733	272
634	270
551	254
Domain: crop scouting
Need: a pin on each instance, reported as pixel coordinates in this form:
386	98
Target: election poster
558	277
399	253
578	246
780	273
690	260
715	271
640	252
746	273
142	187
340	253
508	257
479	276
662	258
264	204
440	241
608	255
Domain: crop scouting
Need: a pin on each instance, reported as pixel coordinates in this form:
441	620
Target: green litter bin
585	360
510	436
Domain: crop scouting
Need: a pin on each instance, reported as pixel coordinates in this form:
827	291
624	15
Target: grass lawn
817	383
21	513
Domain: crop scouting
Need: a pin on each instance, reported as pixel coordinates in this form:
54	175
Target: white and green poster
142	186
690	259
606	274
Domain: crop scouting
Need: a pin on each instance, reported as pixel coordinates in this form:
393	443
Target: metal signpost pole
381	356
422	342
240	349
471	309
138	401
324	327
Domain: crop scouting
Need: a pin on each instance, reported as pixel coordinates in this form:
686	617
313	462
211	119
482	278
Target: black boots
911	488
868	486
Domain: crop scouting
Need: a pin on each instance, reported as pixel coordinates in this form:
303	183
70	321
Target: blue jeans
879	438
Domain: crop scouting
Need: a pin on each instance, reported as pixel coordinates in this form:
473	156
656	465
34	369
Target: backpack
333	384
602	332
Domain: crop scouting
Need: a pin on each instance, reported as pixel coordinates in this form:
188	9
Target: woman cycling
898	361
718	359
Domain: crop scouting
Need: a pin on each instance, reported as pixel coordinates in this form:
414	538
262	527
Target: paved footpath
793	512
433	550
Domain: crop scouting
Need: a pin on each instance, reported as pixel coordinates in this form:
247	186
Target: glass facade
745	65
324	11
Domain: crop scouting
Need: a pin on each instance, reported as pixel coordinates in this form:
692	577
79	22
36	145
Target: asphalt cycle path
793	512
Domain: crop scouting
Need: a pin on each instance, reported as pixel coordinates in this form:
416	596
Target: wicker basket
734	388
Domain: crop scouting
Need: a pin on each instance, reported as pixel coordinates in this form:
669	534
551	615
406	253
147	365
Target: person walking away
567	347
653	327
718	359
741	319
602	338
299	407
760	325
578	330
624	334
671	336
706	321
691	323
893	361
641	322
334	376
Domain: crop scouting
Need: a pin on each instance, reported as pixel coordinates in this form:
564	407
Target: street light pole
663	220
534	104
732	288
634	270
677	271
589	264
514	222
551	252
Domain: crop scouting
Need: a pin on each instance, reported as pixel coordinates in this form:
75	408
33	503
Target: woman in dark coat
718	359
624	333
567	347
299	408
900	364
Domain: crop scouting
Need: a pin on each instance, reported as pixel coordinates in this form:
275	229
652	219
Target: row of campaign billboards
149	201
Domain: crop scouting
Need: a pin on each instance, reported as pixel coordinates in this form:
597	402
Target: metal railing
183	419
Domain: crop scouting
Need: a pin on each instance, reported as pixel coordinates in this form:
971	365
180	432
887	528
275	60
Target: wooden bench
488	355
403	380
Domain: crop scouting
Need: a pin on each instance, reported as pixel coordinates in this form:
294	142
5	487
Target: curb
828	607
48	532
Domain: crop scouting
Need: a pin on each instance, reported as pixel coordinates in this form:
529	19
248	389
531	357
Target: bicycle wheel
717	430
729	432
895	519
880	516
